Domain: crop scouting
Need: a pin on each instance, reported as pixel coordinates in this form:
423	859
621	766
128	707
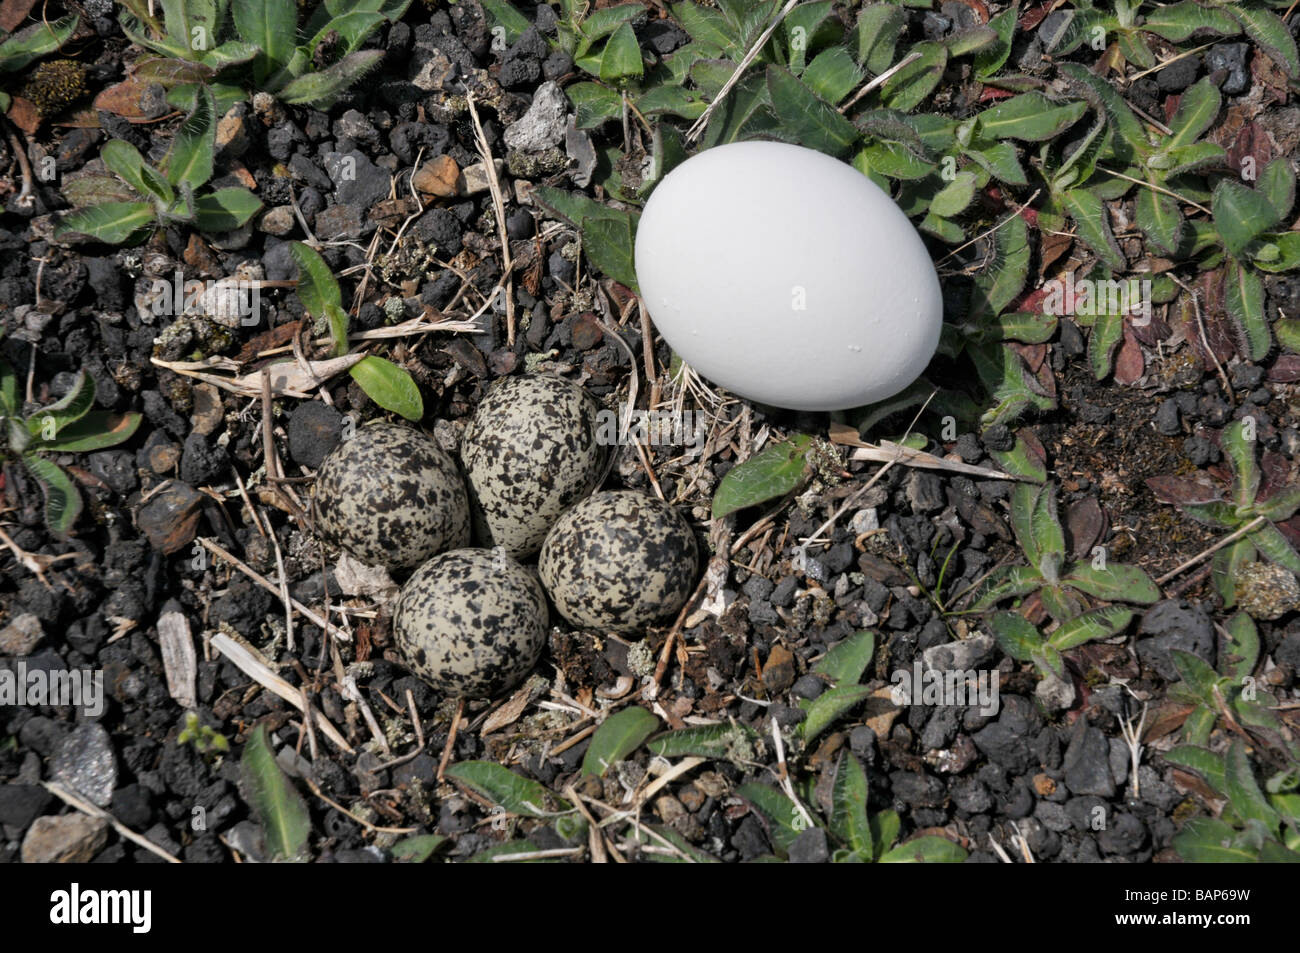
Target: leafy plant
285	822
207	741
387	384
858	838
31	43
1063	589
1255	826
1234	507
257	41
1229	691
618	736
842	666
519	796
161	196
66	426
777	469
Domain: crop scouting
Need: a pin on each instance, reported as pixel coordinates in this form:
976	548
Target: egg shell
530	452
618	561
471	622
788	277
392	497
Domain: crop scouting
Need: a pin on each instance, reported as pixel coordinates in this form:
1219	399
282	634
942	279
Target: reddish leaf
1285	369
1129	363
1051	248
1034	15
1197	488
13	13
1087	525
123	99
980	9
991	93
1252	140
23	114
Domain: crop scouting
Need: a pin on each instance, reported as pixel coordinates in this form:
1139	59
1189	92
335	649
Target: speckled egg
392	497
618	561
471	622
530	452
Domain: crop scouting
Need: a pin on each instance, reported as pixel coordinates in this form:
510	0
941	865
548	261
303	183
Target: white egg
788	277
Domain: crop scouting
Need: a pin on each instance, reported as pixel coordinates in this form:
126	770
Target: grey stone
84	760
1174	625
965	655
810	847
1087	762
21	636
1052	816
543	125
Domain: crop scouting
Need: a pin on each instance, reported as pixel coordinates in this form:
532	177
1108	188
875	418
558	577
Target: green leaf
1197	110
779	812
1031	117
1240	214
954	197
1178	21
278	806
1208	840
992	58
704	25
110	222
1268	539
97	430
1095	624
925	850
317	286
671	100
1270	34
1241	458
62	500
189	160
1277	184
1185	159
1197	677
1243	790
811	120
69	408
849	806
416	850
1224	568
1022	462
1130	140
998	284
1049	537
1160	220
320	89
271	26
1285	257
773	472
878	30
828	706
124	160
1027	327
511	792
1243	299
1282	505
593	104
1093	223
336	319
610	246
617	737
733	742
1288	333
506	15
1116	583
846	661
1015	635
832	74
1003	374
622	56
1245	645
909	87
744	114
1008	582
33	42
1204	762
389	386
224	210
